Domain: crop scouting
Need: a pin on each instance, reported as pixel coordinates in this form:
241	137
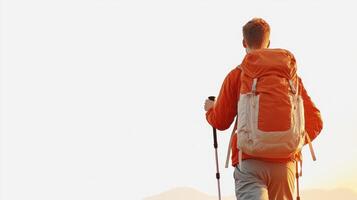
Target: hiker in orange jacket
259	178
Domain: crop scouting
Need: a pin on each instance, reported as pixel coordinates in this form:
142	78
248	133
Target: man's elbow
315	129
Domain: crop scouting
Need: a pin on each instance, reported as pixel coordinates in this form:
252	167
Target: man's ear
244	43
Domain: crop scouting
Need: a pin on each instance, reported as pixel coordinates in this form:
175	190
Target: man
258	178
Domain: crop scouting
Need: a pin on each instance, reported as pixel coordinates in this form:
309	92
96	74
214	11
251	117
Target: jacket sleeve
313	121
222	114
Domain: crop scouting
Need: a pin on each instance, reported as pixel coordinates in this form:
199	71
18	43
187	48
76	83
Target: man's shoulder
234	75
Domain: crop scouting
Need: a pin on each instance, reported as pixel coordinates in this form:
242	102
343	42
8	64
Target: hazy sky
103	99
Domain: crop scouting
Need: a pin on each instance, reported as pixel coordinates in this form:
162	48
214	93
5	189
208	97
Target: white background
103	99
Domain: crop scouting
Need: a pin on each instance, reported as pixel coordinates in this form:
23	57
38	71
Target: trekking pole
297	182
215	144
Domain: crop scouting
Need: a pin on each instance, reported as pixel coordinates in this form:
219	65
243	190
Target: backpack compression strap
310	147
230	143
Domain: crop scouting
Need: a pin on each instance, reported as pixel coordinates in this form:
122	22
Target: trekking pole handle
215	143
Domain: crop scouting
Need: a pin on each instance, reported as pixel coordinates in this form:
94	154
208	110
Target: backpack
270	116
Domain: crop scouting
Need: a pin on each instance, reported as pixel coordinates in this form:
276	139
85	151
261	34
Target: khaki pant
260	180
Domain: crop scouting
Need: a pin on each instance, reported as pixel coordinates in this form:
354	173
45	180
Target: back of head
256	33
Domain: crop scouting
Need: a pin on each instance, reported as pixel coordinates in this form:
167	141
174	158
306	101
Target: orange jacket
222	115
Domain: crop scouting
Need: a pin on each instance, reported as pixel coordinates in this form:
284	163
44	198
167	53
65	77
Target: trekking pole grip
215	143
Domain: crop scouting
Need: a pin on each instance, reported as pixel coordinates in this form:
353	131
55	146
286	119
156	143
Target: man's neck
247	50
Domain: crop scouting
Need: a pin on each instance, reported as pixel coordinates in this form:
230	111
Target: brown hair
255	32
